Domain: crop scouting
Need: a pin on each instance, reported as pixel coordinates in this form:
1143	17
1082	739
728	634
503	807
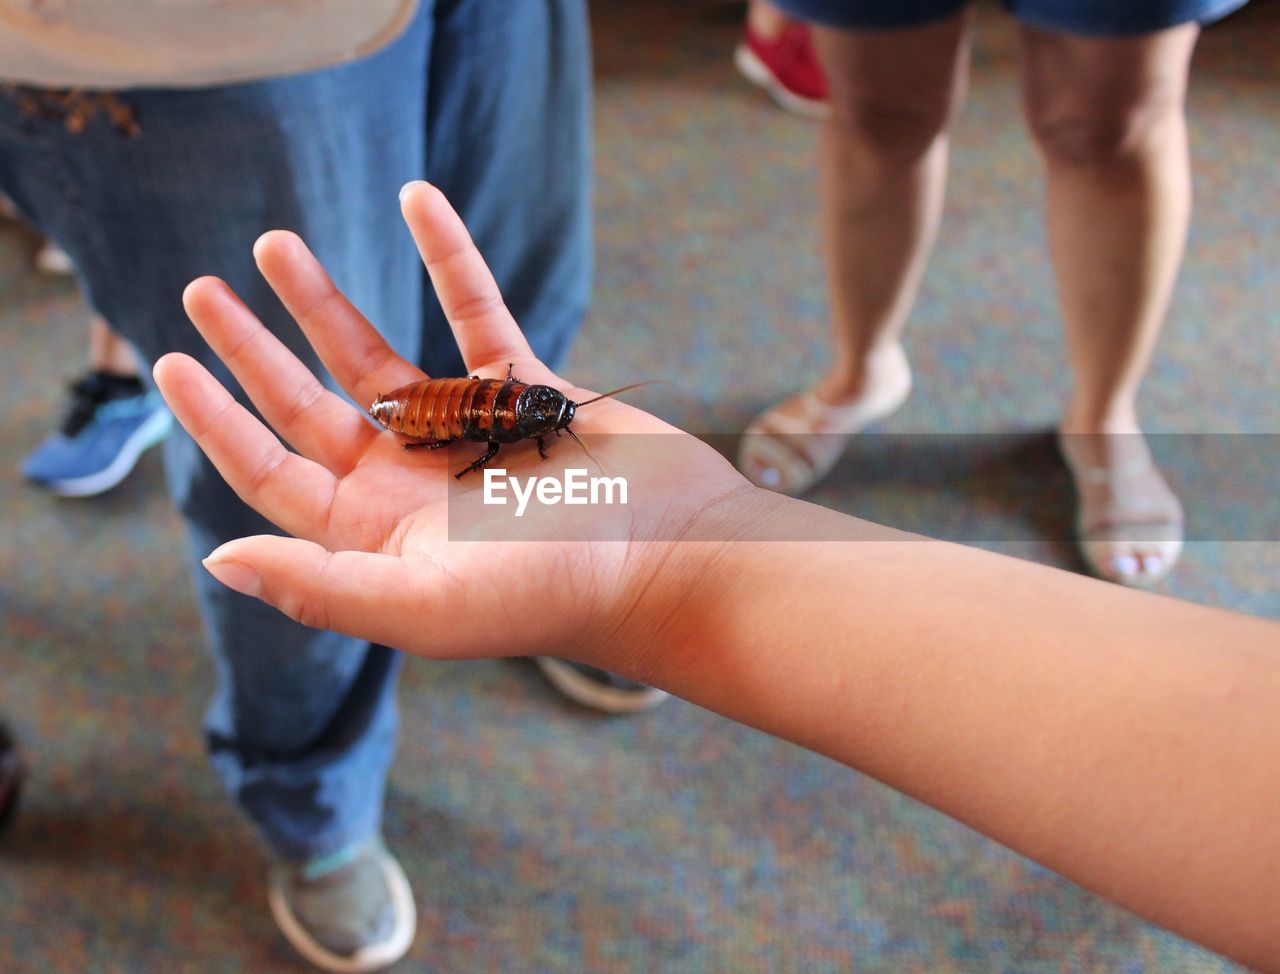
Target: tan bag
113	44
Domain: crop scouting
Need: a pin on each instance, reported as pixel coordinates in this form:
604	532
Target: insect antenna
607	395
585	450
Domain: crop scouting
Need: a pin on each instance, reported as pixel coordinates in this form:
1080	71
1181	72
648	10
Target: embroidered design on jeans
75	107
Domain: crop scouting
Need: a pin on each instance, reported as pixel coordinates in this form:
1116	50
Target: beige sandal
792	446
1129	526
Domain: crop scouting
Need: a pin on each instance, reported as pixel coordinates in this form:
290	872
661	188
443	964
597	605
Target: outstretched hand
370	553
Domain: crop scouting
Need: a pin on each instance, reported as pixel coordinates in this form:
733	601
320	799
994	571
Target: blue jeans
490	100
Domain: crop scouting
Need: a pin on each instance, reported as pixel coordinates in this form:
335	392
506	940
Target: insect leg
542	448
433	445
492	452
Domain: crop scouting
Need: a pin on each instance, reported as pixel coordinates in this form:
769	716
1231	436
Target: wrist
683	590
713	613
668	588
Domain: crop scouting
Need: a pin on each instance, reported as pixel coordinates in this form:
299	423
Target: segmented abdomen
452	409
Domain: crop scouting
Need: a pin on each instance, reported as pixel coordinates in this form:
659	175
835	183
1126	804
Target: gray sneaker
598	689
348	912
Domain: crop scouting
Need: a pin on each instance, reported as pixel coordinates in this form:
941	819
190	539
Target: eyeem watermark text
575	488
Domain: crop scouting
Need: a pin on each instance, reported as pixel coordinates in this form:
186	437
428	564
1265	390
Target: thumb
372	596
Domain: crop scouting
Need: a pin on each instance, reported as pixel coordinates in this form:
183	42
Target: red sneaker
787	68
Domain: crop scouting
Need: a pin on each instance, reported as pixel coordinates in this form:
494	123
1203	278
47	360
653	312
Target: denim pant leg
302	725
509	143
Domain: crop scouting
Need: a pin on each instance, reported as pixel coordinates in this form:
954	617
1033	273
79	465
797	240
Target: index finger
356	355
482	325
292	492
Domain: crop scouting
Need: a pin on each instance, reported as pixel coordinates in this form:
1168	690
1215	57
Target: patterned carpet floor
537	836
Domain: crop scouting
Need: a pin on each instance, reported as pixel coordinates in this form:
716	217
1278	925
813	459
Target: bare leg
765	19
108	352
1108	117
882	169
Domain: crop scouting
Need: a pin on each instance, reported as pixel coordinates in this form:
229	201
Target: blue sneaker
112	421
11	774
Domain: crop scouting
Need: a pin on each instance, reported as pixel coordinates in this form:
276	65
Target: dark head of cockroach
541	410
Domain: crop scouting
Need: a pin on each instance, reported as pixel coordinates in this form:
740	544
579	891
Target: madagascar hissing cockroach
435	412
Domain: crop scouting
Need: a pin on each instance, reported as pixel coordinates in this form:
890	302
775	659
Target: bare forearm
1126	740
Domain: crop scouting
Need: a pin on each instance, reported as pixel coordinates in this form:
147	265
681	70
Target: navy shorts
1097	18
